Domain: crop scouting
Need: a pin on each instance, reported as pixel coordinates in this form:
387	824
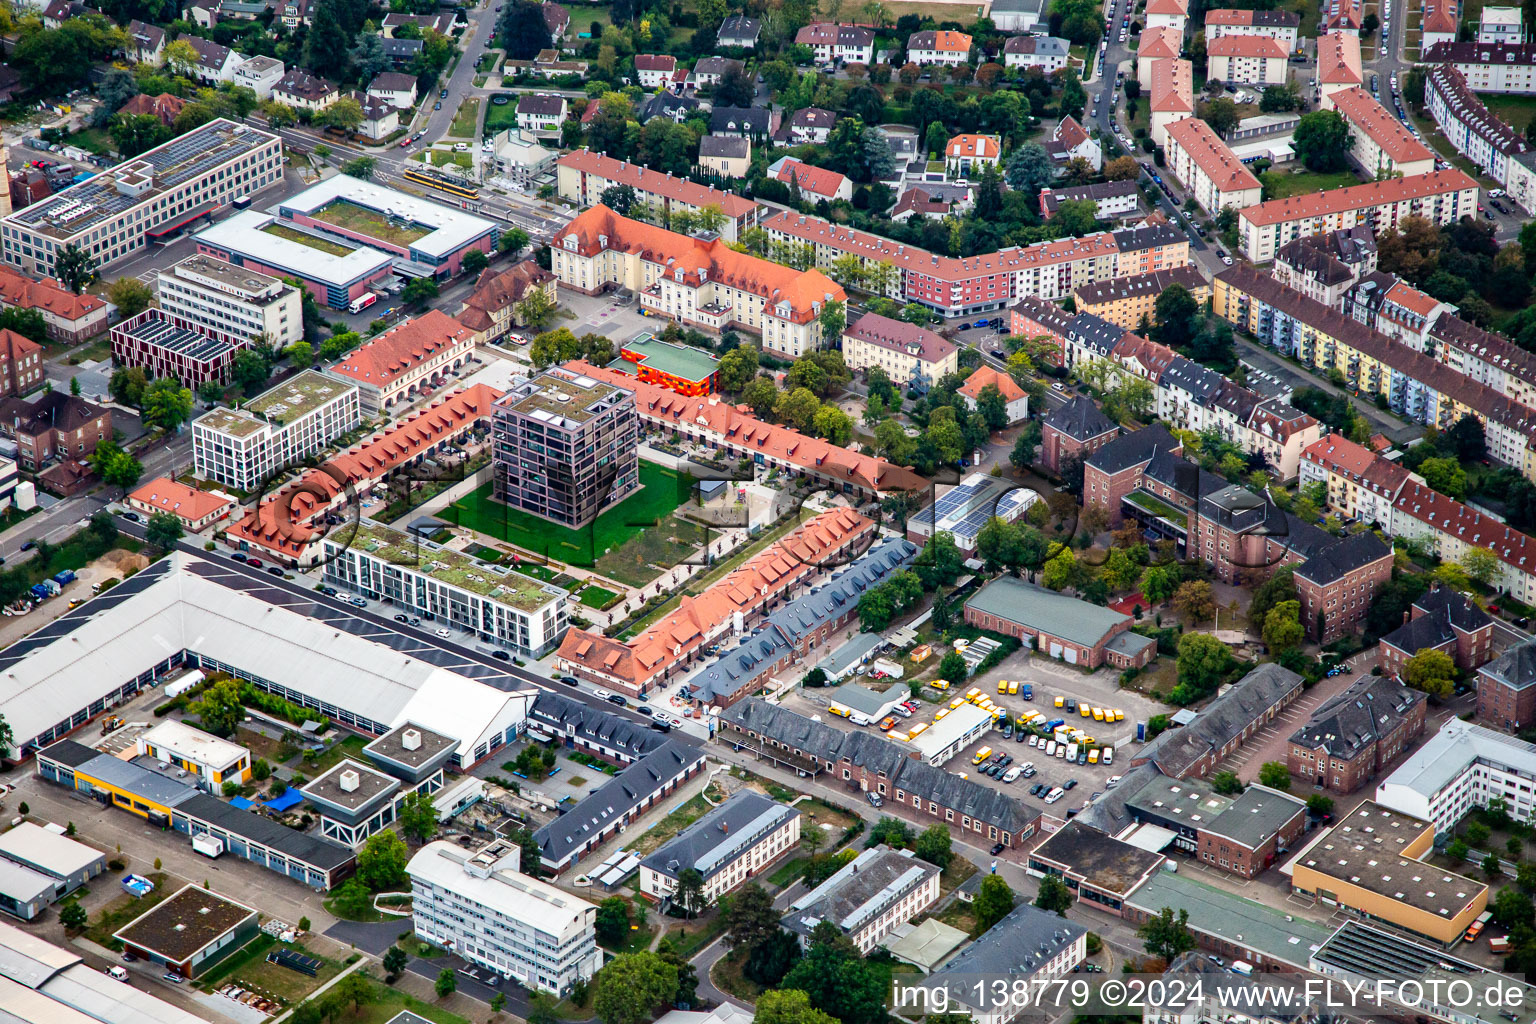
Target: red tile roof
944	41
1173	87
1450	517
46	296
984	375
1246	46
984	146
655	62
767	574
1168	7
1355	197
189	503
1338	59
16	347
1162	41
816	180
656	183
600	229
1442	16
1358	108
1214	158
399	349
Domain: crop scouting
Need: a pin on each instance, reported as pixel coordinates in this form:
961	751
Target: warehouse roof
1011	599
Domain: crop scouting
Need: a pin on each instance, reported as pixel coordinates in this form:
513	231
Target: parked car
501	655
874	799
999	848
441	633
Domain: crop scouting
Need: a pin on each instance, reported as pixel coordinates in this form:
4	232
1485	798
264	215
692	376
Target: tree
619	198
1203	662
737	367
1446	476
130	295
135	133
1275	775
1322	140
1282	628
73	916
933	845
279	115
166	404
117	87
832	423
163	530
993	407
690	891
180	58
1221	114
115	467
74	267
994	901
363	167
1195	601
1030	169
612	921
1159	582
512	241
447	983
1319	804
220	708
1122	168
1482	565
474	261
395	960
381	862
797	408
419	291
788	1006
250	370
751	917
1061	571
953	667
632	986
1054	895
761	394
1176	316
327	44
536	310
418	817
1431	671
1166	936
1227	783
832	319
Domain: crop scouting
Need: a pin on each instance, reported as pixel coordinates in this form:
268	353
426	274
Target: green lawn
442	158
1516	111
786	874
1311	14
368	222
1283	185
583	16
596	597
465	120
501	116
295	235
661	491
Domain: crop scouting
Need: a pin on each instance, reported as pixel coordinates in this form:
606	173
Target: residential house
1048	53
394	88
541	112
305	91
839	44
726	155
738	30
491	309
939	47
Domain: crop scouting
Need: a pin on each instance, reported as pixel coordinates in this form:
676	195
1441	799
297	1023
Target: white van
1054	795
117	974
1050	748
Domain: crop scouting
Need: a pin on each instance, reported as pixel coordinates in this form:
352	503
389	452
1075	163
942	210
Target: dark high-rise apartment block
565	447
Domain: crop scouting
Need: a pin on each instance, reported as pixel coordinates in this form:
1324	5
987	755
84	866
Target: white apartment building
1443	197
1281	26
1247	60
1383	145
1208	168
1475	131
483	908
731	844
120	211
1461	767
259	74
906	352
868	898
499	606
213	761
243	447
938	47
583	176
217	299
1489	67
1501	25
845	44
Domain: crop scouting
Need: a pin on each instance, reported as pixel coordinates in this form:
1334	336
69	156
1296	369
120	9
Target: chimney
411	739
349	781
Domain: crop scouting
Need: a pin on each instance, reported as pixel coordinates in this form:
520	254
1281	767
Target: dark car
501	655
132	517
998	353
438	105
415	621
661	726
644	709
331	592
402	618
275	570
443	95
1069	784
998	849
618	698
237	556
28	545
569	680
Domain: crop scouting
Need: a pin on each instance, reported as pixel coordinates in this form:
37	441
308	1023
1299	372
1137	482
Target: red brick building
1440	620
1224	724
1338	583
1115	470
1247	837
1506	689
1076	430
1352	738
1062	627
57	426
21	364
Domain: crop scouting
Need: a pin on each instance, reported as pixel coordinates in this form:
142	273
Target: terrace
350	216
295	398
1153	505
295	235
451	567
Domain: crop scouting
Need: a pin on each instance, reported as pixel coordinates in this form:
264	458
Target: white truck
209	846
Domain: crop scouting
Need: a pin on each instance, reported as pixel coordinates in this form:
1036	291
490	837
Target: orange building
680	368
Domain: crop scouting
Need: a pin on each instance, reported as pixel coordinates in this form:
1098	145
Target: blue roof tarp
290	798
241	802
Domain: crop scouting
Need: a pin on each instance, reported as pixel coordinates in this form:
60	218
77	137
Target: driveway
372	937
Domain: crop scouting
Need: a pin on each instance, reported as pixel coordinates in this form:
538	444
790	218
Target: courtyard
295	235
370	222
634	542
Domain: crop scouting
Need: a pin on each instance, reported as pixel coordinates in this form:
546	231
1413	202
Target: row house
1489	67
1223	725
1471	127
960	286
583	176
1441	197
1362	485
1281	26
841	44
1414	383
1486	357
1391	306
1324	266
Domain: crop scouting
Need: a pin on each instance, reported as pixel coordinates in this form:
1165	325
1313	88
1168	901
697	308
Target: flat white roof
1453	750
511	893
39	846
451	228
957	723
1501	15
242	235
194	744
180	604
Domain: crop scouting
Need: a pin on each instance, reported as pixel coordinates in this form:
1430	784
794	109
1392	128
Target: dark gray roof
717	66
69	753
1095	332
1516	667
1366	711
1459	610
1101	860
1193	378
668	104
1343	557
1146	236
1080	419
1255	816
573	719
739	120
823	743
860	890
629	789
744	666
1017	946
1177	750
538	103
721	836
1047	314
1183	476
260	829
724	146
1135	449
738	27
